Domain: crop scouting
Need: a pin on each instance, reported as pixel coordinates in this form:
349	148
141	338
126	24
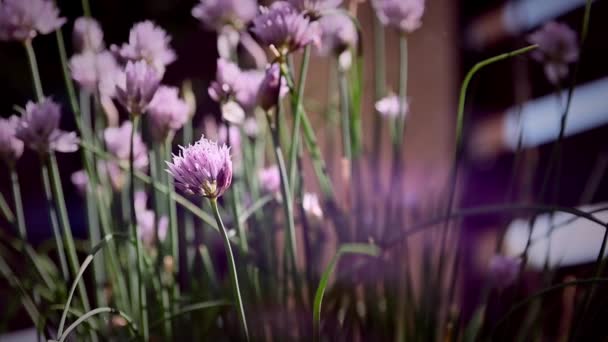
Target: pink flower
23	19
87	35
167	113
117	142
557	47
137	86
402	15
11	148
270	179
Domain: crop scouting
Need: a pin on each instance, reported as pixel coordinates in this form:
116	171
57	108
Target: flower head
315	7
95	71
390	106
23	19
271	88
248	85
150	43
117	142
137	86
11	148
108	169
39	128
402	15
338	33
557	47
270	179
215	14
311	205
503	270
167	112
203	169
284	27
226	80
87	35
146	220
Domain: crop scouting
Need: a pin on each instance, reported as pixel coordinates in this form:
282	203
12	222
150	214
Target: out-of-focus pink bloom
137	86
338	33
251	127
11	148
39	129
251	54
149	43
311	205
402	15
226	78
203	169
272	86
87	35
390	106
146	221
231	137
315	8
248	86
95	72
270	179
117	142
284	27
23	19
167	113
557	47
105	169
215	14
503	271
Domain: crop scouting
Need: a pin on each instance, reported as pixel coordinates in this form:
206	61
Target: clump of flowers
215	14
285	29
137	86
203	169
39	129
149	43
22	20
338	33
557	47
117	143
147	227
225	84
167	113
402	15
95	71
87	35
11	148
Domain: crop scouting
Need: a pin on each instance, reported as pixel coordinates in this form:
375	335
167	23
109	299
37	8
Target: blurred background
454	36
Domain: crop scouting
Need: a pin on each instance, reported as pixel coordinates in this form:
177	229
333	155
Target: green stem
173	238
66	76
233	273
6	210
31	57
140	284
379	82
18	204
86	8
344	110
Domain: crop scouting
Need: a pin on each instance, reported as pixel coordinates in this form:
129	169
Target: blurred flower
166	112
11	148
402	15
503	271
557	47
311	205
231	137
270	179
389	106
233	113
215	14
80	181
136	86
39	128
146	220
250	127
284	27
251	54
95	72
149	43
271	86
227	42
203	169
338	33
22	19
225	83
315	7
105	169
87	35
117	143
248	85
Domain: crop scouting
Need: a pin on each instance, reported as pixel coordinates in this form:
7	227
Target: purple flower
503	271
11	148
225	83
250	127
390	106
215	14
270	179
402	15
272	86
80	181
247	88
315	7
557	47
22	19
117	142
105	169
338	33
39	129
203	169
284	27
95	72
137	86
87	35
150	43
146	220
167	112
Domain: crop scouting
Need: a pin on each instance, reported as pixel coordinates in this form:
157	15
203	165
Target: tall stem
345	118
140	284
18	204
233	274
31	58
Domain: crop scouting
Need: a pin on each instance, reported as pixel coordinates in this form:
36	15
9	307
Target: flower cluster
22	20
203	169
136	86
87	35
167	112
403	15
11	148
147	226
390	106
117	143
215	14
557	47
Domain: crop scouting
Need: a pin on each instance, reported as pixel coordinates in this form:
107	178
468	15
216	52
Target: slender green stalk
232	264
173	238
379	82
140	283
92	313
66	76
6	210
86	8
27	302
18	204
345	118
31	57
